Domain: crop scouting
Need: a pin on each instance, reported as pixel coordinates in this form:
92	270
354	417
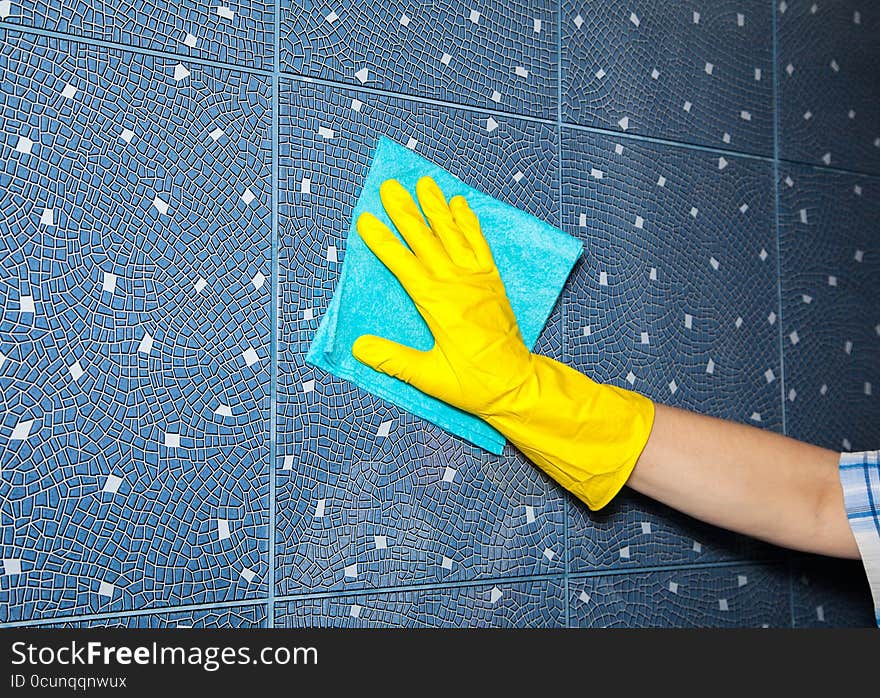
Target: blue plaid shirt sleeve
860	477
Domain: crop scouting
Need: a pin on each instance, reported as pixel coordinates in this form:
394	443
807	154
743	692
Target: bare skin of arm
747	480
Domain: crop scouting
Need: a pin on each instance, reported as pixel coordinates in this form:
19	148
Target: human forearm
747	480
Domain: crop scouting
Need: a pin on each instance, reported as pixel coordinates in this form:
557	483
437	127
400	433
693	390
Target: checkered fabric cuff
860	477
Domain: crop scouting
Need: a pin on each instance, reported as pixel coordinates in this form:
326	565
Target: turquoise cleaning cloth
534	260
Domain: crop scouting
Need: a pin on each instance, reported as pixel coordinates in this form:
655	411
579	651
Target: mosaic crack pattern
829	111
226	31
675	298
753	596
135	287
133	436
676	293
831	299
367	495
538	604
691	71
493	54
635	531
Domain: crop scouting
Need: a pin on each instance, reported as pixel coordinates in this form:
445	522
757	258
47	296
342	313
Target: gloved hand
585	435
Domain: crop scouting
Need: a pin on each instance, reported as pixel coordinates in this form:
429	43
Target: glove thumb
391	358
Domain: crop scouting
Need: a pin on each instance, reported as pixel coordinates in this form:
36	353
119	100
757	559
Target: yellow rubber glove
585	435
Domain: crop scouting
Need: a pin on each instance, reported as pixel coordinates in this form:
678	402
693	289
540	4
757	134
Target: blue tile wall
828	108
225	30
134	421
496	54
177	185
830	291
699	72
711	597
676	295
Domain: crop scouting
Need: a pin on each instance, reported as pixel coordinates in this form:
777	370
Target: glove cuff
587	436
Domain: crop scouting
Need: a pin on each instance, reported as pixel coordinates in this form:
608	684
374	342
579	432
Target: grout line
405	588
421	99
609	572
620	571
371	591
381	92
559	122
91	41
828	169
666	141
562	343
524	579
160	611
775	40
657	140
273	319
776	218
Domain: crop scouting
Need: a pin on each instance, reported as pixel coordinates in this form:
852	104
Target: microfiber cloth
533	258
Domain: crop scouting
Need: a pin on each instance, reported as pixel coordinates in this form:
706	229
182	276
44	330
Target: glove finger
408	220
391	358
390	250
469	225
442	222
